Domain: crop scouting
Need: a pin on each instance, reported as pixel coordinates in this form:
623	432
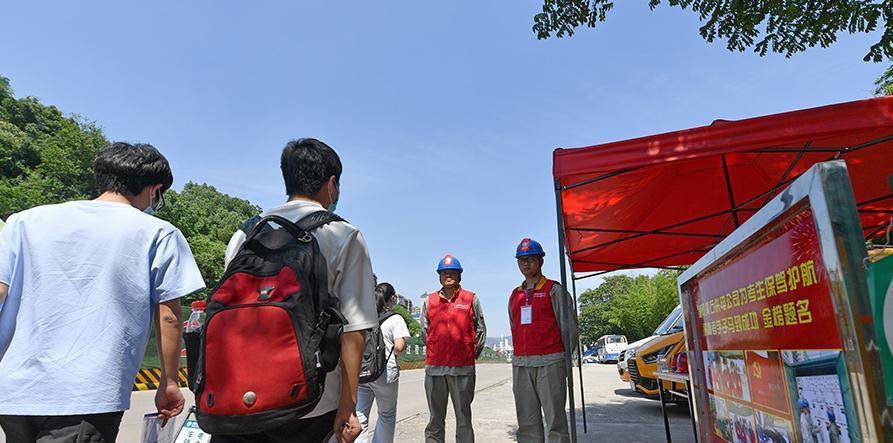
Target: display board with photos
766	326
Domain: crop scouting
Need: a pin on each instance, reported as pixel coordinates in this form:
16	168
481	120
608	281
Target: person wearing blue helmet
808	429
539	368
454	331
833	427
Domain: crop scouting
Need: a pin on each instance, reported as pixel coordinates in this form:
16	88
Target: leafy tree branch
781	26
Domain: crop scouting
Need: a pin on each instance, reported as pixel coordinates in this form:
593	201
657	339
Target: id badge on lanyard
526	310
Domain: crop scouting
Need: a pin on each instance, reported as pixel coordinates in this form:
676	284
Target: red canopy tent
665	200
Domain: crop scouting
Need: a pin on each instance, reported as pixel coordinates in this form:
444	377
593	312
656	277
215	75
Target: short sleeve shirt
350	280
392	329
83	280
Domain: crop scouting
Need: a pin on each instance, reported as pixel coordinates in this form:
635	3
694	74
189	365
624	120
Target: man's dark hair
128	169
307	164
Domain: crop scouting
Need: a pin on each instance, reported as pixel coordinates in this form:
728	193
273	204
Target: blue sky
445	114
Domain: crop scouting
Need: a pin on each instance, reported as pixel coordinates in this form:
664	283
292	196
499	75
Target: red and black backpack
272	332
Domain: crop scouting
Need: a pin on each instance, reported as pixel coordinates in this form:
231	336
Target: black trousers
90	428
309	430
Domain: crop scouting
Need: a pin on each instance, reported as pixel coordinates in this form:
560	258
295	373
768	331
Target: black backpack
272	332
374	359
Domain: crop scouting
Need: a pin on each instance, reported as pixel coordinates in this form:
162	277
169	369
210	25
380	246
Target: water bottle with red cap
197	317
192	337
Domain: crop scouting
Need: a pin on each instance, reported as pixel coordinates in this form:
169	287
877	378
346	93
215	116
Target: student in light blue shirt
80	284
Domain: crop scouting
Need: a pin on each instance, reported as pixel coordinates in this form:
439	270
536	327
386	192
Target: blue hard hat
804	403
831	415
529	247
449	262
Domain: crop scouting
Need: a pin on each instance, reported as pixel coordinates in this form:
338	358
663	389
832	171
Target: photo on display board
814	381
711	367
743	427
727	373
732	421
766	379
722	419
774	429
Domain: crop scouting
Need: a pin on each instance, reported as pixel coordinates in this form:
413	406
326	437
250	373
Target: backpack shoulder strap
317	219
249	224
381	319
306	224
386	315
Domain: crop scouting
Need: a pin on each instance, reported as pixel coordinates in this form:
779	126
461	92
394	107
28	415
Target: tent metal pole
732	206
593	180
788	171
564	314
579	351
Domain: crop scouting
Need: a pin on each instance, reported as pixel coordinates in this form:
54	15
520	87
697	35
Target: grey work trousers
460	388
541	391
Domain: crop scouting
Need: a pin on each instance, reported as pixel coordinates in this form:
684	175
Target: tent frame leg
564	314
579	353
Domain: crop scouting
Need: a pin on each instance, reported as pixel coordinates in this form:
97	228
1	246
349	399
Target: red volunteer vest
542	336
451	338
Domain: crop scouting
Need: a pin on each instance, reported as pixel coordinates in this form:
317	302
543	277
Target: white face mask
334	203
151	208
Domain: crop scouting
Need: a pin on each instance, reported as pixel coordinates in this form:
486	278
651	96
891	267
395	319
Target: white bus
608	348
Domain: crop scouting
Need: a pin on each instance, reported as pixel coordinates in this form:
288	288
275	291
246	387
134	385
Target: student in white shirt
80	283
394	334
312	173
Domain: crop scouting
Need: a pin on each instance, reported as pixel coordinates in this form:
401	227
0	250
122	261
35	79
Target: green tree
630	306
782	26
646	303
207	218
45	157
594	307
414	327
884	84
630	311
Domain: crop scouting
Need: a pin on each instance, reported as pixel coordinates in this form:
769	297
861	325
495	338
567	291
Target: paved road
614	413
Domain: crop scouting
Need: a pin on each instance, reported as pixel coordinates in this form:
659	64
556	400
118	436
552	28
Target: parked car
621	359
642	362
621	366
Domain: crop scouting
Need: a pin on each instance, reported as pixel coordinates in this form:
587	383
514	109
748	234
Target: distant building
504	347
416	311
405	302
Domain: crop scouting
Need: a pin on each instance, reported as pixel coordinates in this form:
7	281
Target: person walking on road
539	366
80	283
312	170
455	333
394	334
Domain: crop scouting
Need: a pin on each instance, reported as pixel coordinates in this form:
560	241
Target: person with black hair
80	283
383	391
312	170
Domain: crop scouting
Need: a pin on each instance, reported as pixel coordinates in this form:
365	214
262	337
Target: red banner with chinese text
774	295
769	333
